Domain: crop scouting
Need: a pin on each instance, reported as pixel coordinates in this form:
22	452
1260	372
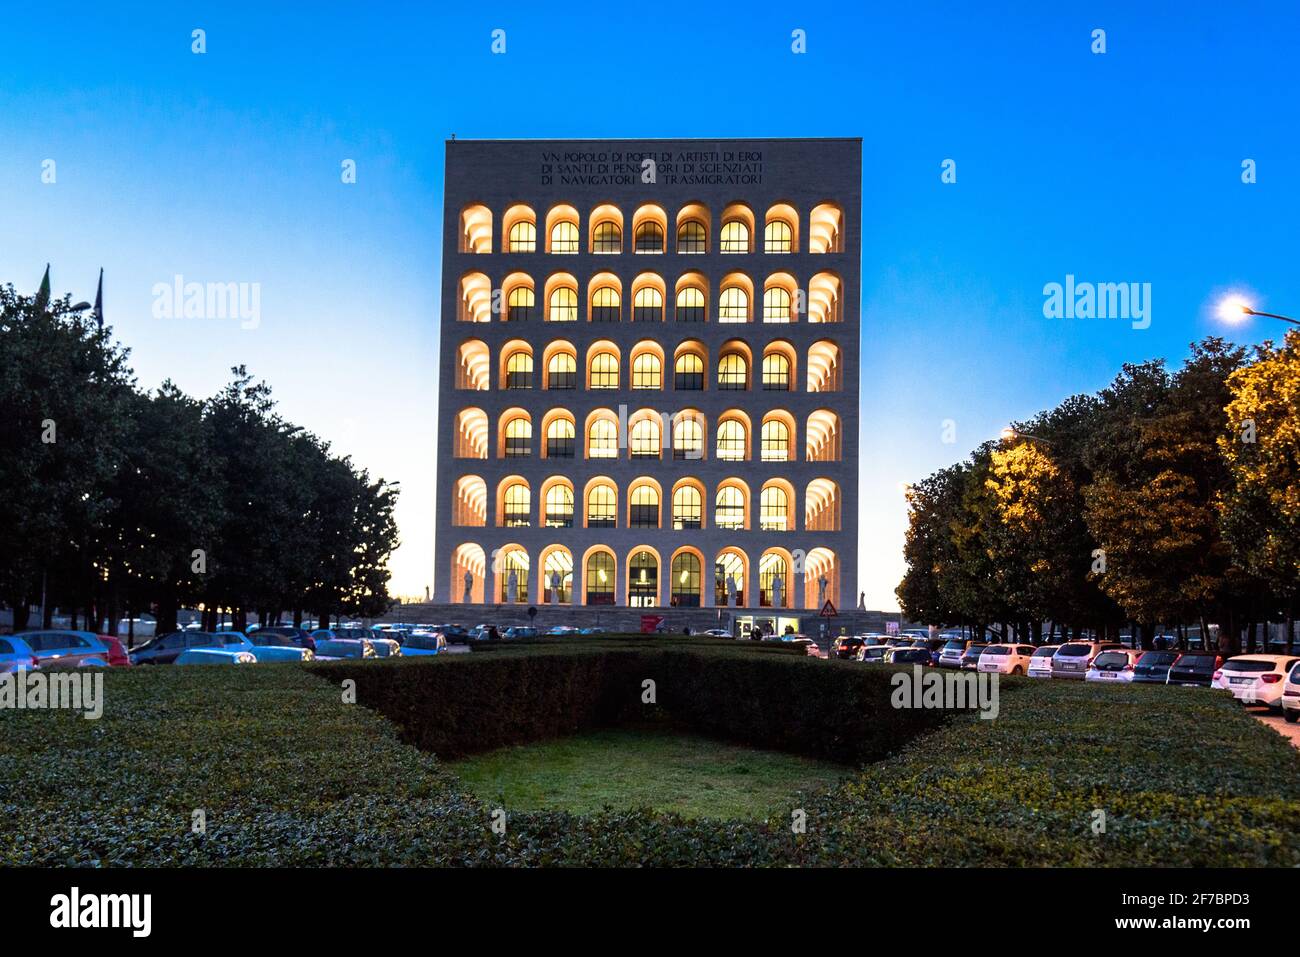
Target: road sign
828	610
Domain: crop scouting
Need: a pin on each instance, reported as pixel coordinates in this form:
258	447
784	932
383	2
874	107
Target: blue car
17	655
423	644
263	647
215	656
332	649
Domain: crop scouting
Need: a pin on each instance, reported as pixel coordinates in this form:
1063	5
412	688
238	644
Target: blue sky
1120	167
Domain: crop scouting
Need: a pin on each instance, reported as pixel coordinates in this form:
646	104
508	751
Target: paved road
1275	721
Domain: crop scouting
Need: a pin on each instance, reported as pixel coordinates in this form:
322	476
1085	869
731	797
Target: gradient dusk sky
224	167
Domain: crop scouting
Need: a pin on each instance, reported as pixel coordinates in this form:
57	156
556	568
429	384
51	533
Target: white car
1114	666
872	654
1291	695
951	653
1040	664
1005	659
1255	679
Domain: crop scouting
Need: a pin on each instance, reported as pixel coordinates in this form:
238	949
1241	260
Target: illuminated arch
691	366
514	434
776	506
645	435
516	365
471	440
688	504
559	435
735	363
781	230
731	510
604	365
824	360
642	570
736	298
646	361
519	230
604	298
473	366
780	299
475	298
601	435
823	437
476	229
605	230
468	557
645	498
512	557
690	435
555	560
600	503
818	563
469	501
824	298
514	502
693	229
648	297
733	436
599	576
556	502
563	235
560	365
821	506
691	298
778	439
686	578
649	230
518	298
730	562
780	371
775	564
560	297
826	229
737	233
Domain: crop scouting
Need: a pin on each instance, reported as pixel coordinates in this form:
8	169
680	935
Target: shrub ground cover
287	774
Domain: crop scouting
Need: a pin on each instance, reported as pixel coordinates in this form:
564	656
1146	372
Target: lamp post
1234	308
1009	433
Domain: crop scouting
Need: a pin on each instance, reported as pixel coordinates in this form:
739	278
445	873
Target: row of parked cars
1264	679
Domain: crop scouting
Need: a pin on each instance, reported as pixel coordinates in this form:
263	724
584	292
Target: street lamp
1234	309
1009	433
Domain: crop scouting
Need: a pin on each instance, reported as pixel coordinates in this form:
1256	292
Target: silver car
1074	658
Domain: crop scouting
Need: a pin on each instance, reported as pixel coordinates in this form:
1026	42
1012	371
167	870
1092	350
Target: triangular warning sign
828	610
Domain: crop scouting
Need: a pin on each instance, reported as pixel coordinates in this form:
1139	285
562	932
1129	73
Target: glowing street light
1008	434
1236	309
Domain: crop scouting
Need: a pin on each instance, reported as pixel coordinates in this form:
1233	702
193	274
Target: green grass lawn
623	769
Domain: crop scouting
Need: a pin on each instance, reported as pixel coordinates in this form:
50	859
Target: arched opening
824	298
649	229
776	506
600	503
643	578
685	576
512	575
562	235
779	366
601	429
735	295
737	229
821	506
731	505
469	502
691	298
561	294
515	440
557	502
689	363
648	291
780	299
781	232
775	579
473	366
605	298
559	432
824	367
823	437
514	502
475	298
688	436
643	497
516	365
730	575
606	230
476	229
471	441
468	574
688	505
561	361
734	361
644	435
519	230
647	365
778	437
599	577
520	300
693	229
602	365
733	436
826	229
555	585
821	578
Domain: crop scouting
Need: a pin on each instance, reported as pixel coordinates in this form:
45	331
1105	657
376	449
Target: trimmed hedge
472	703
287	775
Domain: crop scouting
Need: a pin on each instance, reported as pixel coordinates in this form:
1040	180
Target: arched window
476	229
560	439
688	373
605	305
773	509
519	371
519	304
649	238
776	304
778	237
513	560
776	373
729	566
733	372
734	238
643	507
771	567
562	372
643	580
516	506
564	305
648	305
602	507
523	238
686	580
690	304
558	567
776	441
519	438
565	238
733	305
729	508
607	237
602	440
732	440
559	507
604	371
688	438
644	439
691	238
647	372
600	579
688	508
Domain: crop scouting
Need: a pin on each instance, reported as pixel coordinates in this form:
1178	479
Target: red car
117	656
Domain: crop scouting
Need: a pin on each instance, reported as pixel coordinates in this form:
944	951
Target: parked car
1255	679
423	643
166	648
17	655
872	654
1005	659
951	653
1113	665
971	659
215	656
268	646
521	631
387	647
299	636
56	648
455	634
333	649
560	631
899	641
1073	659
714	633
1040	663
907	655
846	646
1291	695
1194	668
1152	667
932	645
